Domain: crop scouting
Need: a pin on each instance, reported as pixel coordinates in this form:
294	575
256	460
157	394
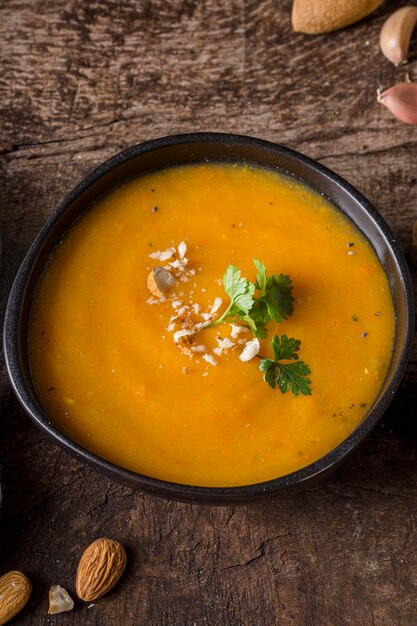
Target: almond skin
314	17
160	282
15	590
99	569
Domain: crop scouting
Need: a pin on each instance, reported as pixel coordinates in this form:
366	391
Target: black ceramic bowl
190	148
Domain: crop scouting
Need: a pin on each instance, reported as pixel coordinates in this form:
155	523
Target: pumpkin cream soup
141	353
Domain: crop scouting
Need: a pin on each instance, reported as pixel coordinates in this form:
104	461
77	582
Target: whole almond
321	16
15	591
99	569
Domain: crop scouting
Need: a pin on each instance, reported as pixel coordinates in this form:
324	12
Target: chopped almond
182	249
184	336
210	359
160	282
59	600
216	305
163	255
250	350
237	329
222	345
199	348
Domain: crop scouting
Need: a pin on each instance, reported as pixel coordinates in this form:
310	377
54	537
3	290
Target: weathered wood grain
82	80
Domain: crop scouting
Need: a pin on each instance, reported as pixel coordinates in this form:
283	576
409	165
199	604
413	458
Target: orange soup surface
102	349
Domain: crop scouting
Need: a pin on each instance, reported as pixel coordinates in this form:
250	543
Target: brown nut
99	569
314	17
160	282
15	590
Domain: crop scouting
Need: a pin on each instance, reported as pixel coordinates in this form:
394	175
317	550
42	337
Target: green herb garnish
240	292
274	302
286	376
256	304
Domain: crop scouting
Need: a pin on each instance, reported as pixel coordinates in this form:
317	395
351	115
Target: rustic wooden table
83	80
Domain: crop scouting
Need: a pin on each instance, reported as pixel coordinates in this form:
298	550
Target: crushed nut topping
189	319
59	600
250	350
237	330
163	255
182	249
210	359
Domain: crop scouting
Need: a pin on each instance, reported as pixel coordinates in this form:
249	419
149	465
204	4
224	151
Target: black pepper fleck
51	389
378	313
362	405
355	318
43	332
364	335
154	209
350	244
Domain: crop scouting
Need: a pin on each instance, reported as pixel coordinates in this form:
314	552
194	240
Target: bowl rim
195	493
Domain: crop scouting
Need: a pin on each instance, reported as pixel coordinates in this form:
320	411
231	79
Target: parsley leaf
240	291
261	276
285	348
269	369
258	318
258	328
278	297
273	302
293	377
286	376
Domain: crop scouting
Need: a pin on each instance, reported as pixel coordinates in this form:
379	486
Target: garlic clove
401	100
396	34
160	282
60	600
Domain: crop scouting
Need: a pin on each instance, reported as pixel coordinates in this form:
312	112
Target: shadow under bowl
197	148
